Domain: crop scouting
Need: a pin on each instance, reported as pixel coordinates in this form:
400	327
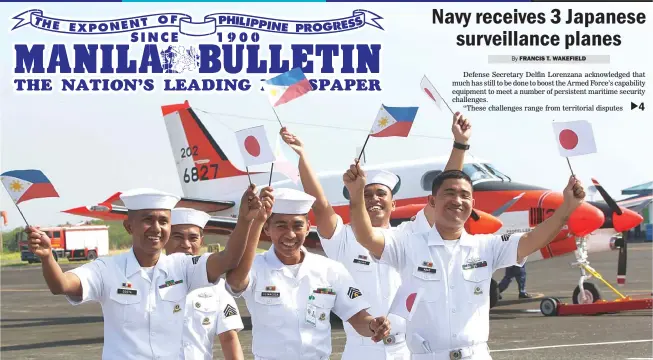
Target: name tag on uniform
427	267
270	294
362	259
311	312
475	265
128	291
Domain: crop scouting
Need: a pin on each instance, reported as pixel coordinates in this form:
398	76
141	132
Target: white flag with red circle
405	301
430	90
254	146
574	138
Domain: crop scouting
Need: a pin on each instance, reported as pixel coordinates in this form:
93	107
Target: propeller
622	220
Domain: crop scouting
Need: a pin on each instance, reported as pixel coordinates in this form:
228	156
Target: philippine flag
24	185
286	87
393	121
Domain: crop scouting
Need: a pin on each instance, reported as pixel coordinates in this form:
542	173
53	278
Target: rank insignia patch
229	311
353	293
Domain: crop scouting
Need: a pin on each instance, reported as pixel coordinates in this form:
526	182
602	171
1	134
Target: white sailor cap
291	201
382	177
186	216
140	199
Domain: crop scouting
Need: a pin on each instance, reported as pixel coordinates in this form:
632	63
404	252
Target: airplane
211	182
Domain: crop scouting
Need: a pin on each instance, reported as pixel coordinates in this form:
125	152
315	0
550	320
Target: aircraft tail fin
198	157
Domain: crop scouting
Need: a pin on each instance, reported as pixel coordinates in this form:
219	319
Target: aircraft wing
637	204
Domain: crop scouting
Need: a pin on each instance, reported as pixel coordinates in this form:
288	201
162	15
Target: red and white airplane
212	183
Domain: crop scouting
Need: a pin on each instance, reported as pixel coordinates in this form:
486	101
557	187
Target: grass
13	258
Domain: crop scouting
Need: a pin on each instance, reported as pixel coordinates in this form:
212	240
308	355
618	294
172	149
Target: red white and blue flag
393	121
286	87
24	185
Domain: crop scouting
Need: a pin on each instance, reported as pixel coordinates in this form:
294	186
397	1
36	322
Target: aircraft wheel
494	293
592	294
549	307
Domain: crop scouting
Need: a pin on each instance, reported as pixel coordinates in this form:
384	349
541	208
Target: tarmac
34	324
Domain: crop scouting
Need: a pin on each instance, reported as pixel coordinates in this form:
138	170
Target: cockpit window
427	179
476	172
496	172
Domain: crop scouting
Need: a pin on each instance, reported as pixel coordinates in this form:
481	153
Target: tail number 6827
204	172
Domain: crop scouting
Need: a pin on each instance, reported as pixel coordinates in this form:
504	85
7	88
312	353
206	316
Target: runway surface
38	325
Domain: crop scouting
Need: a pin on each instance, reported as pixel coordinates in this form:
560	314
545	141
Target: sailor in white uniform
143	291
447	271
211	310
290	292
379	281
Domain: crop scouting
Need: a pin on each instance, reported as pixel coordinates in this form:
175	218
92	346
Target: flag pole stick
250	179
21	214
275	114
363	149
568	163
271	168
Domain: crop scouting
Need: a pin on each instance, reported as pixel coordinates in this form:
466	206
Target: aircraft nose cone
627	220
585	219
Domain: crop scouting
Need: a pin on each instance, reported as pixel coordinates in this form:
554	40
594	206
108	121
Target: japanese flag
429	89
574	138
254	146
405	301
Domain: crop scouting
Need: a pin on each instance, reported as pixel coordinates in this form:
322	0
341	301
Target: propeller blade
608	199
623	257
507	205
474	215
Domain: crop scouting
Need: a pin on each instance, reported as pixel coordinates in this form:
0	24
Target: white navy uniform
291	313
209	311
451	318
290	305
143	308
379	282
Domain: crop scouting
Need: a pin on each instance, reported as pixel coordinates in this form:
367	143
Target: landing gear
588	294
494	293
587	299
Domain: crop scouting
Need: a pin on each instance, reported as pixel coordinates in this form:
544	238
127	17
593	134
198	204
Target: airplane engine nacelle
583	221
483	224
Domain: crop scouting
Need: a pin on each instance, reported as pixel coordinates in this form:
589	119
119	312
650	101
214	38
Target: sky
92	145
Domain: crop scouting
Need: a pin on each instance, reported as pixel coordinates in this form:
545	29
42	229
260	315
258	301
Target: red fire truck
72	242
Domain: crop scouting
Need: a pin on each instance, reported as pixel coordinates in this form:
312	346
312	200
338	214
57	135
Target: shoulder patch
230	311
505	237
196	259
353	293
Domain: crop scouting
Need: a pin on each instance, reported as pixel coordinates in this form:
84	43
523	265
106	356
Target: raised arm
220	262
238	278
462	131
326	218
545	232
59	282
373	241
